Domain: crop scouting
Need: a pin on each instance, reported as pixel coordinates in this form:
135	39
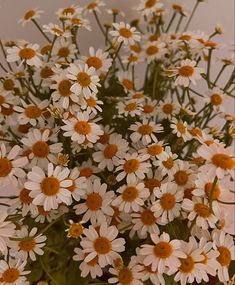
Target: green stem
219	74
212	193
171	21
49	226
179	23
47	272
3	68
41	31
5	55
226	203
191	16
209	68
50	52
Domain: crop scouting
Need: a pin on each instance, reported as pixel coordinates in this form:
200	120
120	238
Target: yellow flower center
202	210
153	38
50	186
145	129
64	88
91	6
169	163
130	107
135	48
167	201
46	72
186	71
93	262
132	58
82	127
75	230
24	196
130	194
128	84
151	183
147	108
152	50
163	250
181	177
94	201
27	245
187	264
150	3
131	165
10	275
57	31
86	172
148	218
126	33
5	166
125	276
208	188
27	53
104	138
185	38
40	149
155	149
223	161
181	128
63	52
196	132
94	61
102	245
29	14
167	108
110	151
32	112
216	99
91	102
68	10
8	84
83	79
225	256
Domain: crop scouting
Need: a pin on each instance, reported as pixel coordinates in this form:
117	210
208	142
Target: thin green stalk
47	272
226	203
171	21
191	16
155	81
49	226
52	45
212	193
219	74
41	31
5	55
3	68
209	68
179	23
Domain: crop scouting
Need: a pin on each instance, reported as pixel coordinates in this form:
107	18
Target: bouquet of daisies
121	172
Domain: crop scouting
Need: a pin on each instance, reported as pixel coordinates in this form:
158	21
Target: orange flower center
152	50
148	218
32	112
91	6
57	31
29	14
151	184
2	99
73	187
167	108
163	250
50	186
86	172
110	151
223	161
132	58
225	256
27	245
75	230
153	38
93	262
10	275
64	88
145	129
130	194
169	163
104	138
5	166
40	149
186	71
24	196
91	102
196	132
128	84
27	53
135	48
188	193
202	210
46	72
150	3
181	128
216	99
8	84
147	108
185	38
177	7
167	201
208	188
131	165
131	107
155	149
68	10
83	79
126	33
181	177
102	245
187	264
125	276
94	61
45	49
82	127
63	52
94	201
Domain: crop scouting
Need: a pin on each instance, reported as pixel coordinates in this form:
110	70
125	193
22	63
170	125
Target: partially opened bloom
148	7
125	33
30	15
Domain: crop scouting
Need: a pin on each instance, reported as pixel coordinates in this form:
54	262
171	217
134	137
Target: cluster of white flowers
134	178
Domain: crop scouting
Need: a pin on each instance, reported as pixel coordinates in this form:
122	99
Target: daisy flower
187	72
164	254
78	21
30	15
82	128
49	190
41	151
102	243
148	7
198	209
125	78
167	109
88	170
78	186
29	244
132	167
98	60
13	272
91	267
56	30
216	98
125	33
225	245
68	12
11	166
154	179
86	79
27	54
149	107
132	196
145	131
179	8
169	204
7	230
96	205
108	155
130	107
75	230
42	216
6	99
180	129
94	6
64	50
91	104
155	150
219	160
130	275
184	176
154	51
